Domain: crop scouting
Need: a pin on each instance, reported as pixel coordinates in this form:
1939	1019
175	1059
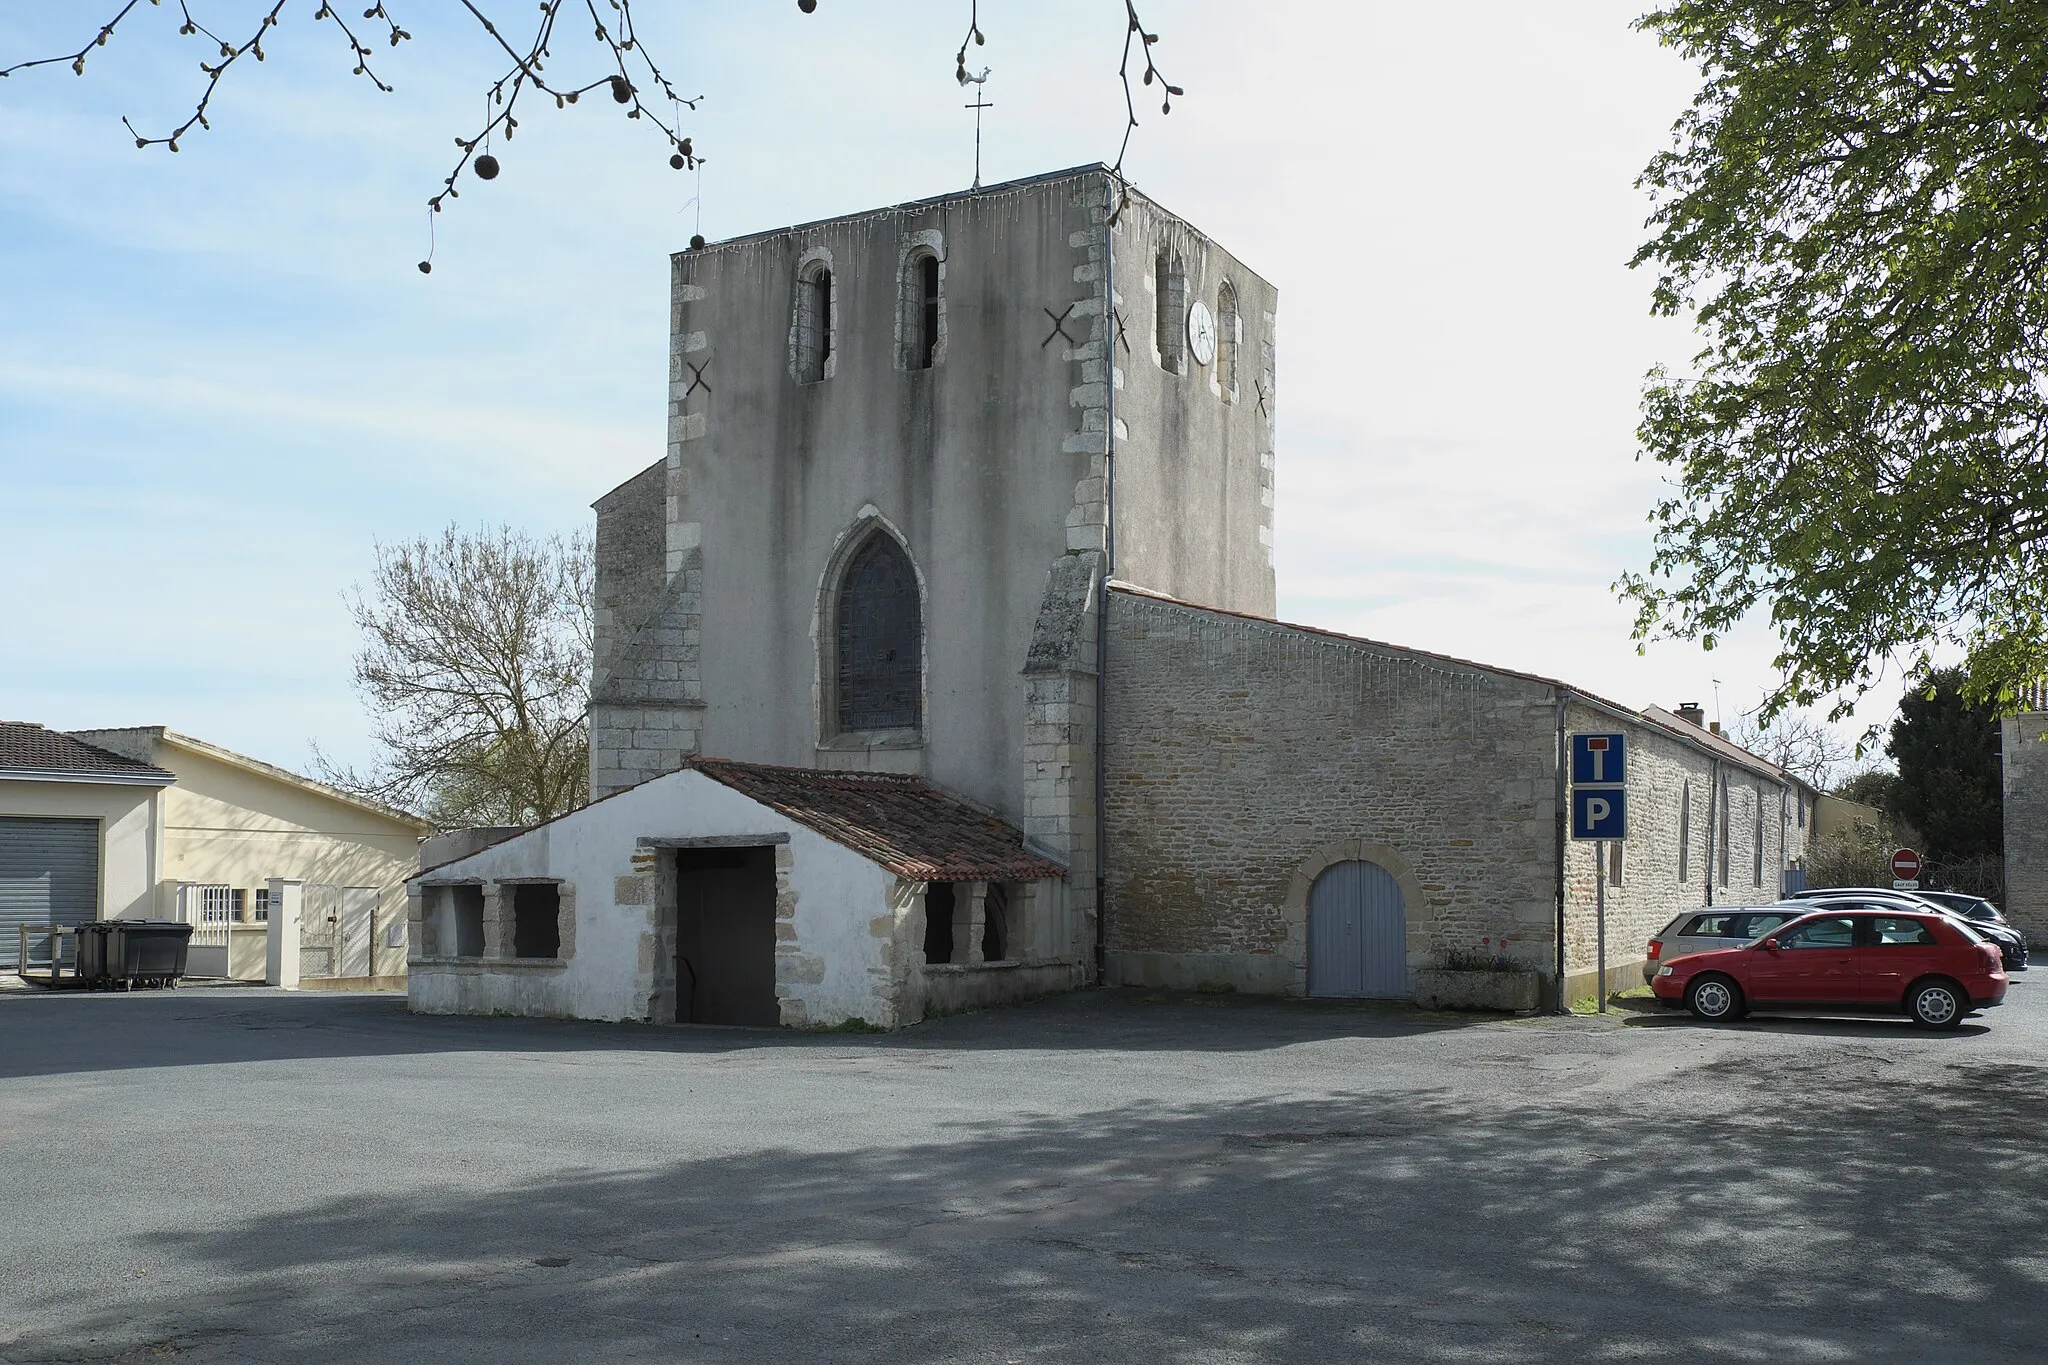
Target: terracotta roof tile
901	822
31	748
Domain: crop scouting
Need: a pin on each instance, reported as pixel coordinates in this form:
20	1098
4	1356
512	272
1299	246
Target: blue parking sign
1599	813
1599	760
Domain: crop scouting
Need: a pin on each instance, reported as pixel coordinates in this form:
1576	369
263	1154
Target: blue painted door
1357	933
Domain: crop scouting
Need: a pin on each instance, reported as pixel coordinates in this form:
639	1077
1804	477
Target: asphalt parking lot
243	1175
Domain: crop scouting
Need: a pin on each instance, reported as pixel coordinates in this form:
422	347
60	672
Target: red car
1928	967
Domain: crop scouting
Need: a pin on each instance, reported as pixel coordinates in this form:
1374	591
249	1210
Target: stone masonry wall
2026	822
1059	746
1244	755
1658	881
646	700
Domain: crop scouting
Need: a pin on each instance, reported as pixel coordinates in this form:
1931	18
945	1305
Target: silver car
1720	926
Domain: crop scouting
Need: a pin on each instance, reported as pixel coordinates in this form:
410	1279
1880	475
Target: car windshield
1967	932
1962	903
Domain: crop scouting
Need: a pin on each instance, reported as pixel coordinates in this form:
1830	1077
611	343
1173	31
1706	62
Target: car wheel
1937	1004
1715	999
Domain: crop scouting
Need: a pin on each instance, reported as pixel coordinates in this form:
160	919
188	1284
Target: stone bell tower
904	448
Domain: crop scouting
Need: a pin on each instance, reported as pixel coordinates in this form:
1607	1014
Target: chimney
1692	711
1715	727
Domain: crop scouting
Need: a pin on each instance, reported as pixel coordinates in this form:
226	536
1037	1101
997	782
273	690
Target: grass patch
1634	999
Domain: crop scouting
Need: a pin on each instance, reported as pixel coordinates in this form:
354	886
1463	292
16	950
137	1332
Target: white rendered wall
833	963
131	835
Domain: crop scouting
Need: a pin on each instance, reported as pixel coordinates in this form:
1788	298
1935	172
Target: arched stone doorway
1357	933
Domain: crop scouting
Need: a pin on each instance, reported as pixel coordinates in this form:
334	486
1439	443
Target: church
937	667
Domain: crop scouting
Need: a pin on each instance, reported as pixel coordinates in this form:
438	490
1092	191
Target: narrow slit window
927	311
1170	284
813	323
1685	833
1229	333
822	285
1757	879
1726	822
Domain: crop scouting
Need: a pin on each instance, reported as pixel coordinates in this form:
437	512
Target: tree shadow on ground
81	1032
1814	1213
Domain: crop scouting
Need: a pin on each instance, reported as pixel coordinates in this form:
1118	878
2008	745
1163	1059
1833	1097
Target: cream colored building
81	834
204	844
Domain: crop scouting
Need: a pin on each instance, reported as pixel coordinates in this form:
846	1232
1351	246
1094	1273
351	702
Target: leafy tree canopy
1877	787
1949	787
1855	206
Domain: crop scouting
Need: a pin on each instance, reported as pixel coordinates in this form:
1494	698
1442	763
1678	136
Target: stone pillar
422	936
2025	756
969	909
287	915
497	921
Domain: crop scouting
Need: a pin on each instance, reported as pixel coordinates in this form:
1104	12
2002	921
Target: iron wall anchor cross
697	380
1059	328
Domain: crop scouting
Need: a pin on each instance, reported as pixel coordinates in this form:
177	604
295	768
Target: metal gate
49	874
1357	933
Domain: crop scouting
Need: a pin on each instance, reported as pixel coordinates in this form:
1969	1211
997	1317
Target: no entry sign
1906	865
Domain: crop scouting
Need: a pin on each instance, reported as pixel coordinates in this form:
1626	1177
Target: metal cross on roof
980	103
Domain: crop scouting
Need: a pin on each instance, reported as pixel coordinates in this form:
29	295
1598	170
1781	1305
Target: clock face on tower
1201	333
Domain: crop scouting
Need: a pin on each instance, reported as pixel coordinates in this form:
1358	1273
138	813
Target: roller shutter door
49	874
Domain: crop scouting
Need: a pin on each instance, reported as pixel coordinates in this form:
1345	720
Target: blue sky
222	378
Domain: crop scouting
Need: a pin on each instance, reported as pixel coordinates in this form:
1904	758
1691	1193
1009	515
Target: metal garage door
1357	933
49	874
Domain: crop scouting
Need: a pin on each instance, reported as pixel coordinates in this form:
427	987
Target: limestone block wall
1673	859
2026	822
1243	756
1059	815
647	699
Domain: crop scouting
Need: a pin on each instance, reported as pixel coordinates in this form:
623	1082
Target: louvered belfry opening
880	630
928	310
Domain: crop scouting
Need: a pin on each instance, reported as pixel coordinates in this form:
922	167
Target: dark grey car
1721	926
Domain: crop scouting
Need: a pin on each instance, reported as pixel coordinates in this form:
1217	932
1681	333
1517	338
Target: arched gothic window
1229	333
880	662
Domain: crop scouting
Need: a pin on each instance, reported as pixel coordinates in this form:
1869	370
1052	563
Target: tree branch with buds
631	76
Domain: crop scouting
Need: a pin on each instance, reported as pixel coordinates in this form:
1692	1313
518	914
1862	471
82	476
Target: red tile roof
903	823
25	747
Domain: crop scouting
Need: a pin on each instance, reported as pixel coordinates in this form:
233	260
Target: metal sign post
1600	916
1600	813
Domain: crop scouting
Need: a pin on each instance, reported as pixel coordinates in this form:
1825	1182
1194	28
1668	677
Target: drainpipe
1108	567
1560	1005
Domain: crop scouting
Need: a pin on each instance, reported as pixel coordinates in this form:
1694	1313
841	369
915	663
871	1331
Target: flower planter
1442	988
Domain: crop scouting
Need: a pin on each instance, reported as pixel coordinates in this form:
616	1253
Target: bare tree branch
632	76
476	666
